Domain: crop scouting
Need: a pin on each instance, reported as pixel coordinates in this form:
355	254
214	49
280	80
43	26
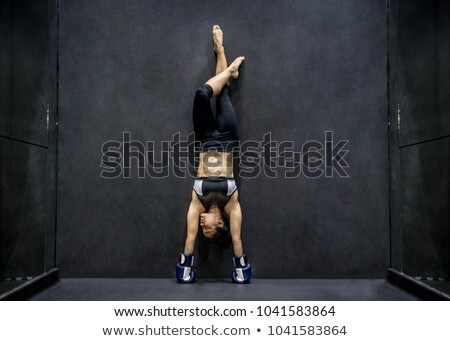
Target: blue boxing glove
242	273
185	270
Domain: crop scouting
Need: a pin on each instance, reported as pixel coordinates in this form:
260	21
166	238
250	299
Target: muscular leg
223	72
218	81
217	85
221	62
226	117
203	116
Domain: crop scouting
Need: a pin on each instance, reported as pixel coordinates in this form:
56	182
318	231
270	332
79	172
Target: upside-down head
216	229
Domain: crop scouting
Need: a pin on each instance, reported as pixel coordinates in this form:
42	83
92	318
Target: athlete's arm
233	209
193	216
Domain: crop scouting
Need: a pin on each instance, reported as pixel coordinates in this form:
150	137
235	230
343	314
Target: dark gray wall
423	69
23	208
28	52
5	61
419	149
27	85
310	66
425	170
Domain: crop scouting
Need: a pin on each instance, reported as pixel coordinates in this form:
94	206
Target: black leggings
220	132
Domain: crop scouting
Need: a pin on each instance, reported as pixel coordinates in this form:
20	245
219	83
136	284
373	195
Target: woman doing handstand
214	206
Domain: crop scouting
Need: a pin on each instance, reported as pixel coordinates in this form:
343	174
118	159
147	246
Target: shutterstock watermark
180	157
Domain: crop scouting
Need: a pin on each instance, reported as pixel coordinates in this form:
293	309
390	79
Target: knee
204	91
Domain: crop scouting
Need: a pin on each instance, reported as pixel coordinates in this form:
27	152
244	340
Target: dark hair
222	237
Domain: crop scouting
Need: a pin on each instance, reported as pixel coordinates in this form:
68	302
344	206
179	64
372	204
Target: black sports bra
214	191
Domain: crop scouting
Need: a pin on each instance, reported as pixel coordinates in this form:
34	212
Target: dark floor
443	286
165	289
6	286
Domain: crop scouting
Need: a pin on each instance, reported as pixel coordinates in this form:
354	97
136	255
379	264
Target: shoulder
235	196
194	196
196	203
232	202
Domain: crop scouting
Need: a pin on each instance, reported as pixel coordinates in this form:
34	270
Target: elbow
236	214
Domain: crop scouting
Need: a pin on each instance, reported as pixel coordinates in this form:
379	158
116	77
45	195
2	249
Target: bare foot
235	66
218	38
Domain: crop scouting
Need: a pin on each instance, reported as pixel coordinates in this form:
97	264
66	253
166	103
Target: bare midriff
213	164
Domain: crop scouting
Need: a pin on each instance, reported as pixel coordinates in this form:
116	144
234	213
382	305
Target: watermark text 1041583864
269	157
